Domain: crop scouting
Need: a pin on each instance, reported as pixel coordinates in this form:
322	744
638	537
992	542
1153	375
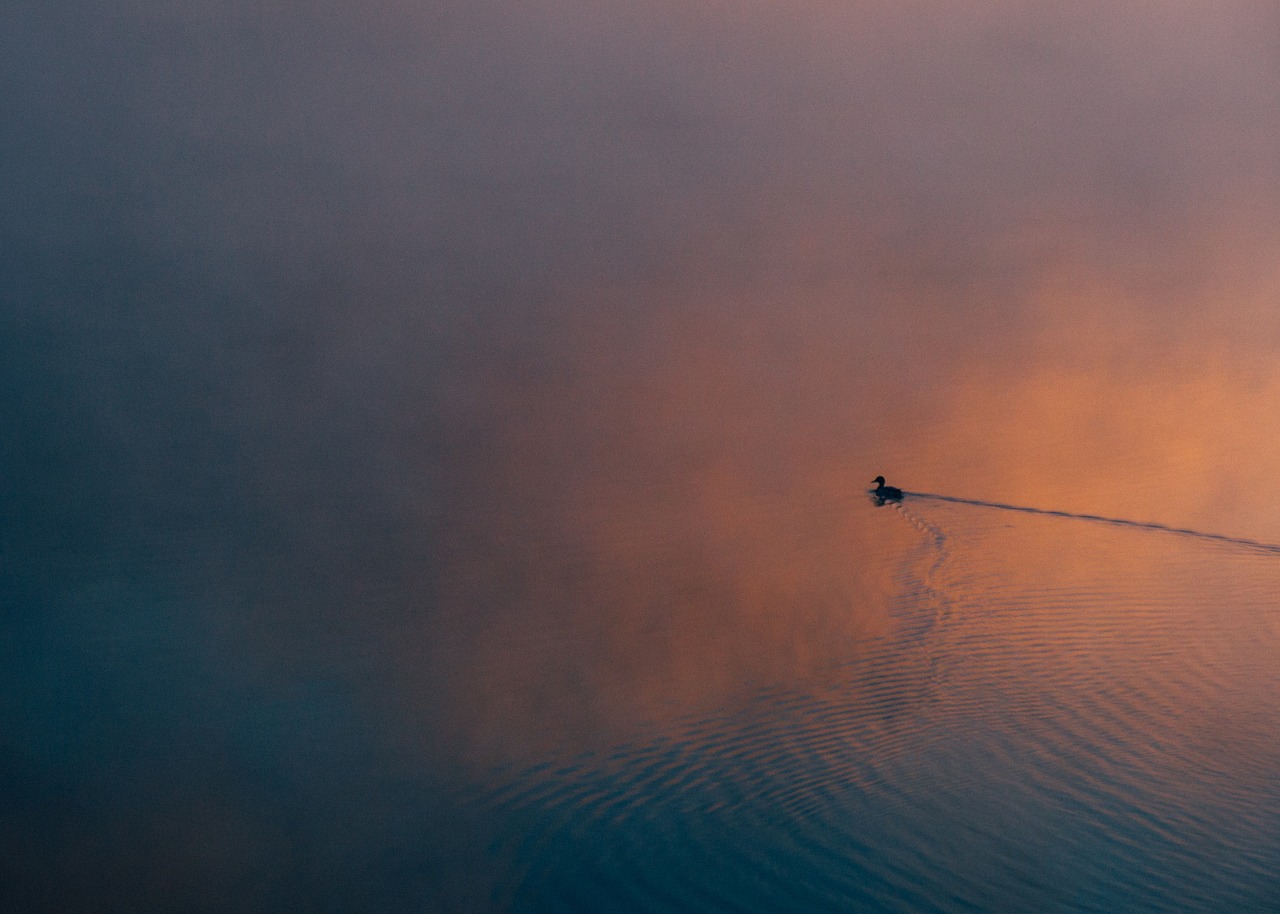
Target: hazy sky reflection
475	380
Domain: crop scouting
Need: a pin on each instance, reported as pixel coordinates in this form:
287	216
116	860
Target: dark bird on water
885	493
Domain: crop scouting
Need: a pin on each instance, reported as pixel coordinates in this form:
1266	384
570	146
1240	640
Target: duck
885	493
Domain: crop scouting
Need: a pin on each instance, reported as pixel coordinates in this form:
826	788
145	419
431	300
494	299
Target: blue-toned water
1067	715
434	443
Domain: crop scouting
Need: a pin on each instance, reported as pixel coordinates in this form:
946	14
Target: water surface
1065	714
434	441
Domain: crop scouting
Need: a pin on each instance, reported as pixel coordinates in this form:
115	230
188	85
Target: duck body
883	493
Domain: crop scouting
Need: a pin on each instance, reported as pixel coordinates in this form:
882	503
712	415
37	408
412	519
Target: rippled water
435	439
1066	714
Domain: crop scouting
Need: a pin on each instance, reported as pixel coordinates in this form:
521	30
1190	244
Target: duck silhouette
883	493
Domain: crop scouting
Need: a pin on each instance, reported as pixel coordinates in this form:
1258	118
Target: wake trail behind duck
932	555
1241	542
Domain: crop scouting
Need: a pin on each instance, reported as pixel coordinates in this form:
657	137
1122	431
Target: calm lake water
435	442
1062	714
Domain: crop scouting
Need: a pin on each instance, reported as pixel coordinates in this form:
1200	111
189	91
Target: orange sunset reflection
673	512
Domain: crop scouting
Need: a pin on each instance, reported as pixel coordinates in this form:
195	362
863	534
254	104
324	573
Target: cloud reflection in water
399	391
